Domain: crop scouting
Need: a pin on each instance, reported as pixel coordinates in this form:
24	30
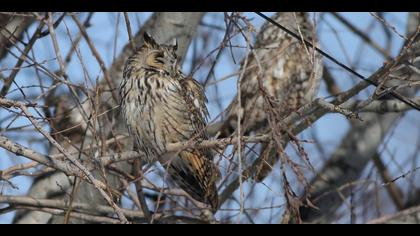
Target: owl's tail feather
197	175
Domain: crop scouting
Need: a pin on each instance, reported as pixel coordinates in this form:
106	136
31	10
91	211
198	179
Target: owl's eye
159	57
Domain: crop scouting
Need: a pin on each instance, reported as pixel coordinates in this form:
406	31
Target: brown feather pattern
162	106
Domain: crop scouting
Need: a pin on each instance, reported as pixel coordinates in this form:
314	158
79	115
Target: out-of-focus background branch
12	28
359	147
351	156
164	26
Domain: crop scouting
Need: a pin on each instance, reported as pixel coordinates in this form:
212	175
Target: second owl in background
290	73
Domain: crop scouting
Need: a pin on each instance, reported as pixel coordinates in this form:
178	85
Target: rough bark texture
11	30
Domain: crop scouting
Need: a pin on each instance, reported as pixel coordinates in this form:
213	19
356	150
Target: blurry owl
289	72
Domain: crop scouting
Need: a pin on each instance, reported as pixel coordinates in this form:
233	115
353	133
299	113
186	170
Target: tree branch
164	26
355	151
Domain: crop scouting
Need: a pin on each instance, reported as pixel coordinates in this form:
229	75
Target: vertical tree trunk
11	30
164	27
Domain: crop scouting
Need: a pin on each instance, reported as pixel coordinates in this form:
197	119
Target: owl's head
160	56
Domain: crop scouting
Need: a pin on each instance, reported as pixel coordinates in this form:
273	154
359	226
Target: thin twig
362	35
393	190
130	34
98	58
8	82
371	82
17	149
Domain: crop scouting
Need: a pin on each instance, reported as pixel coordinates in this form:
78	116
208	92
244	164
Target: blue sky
335	39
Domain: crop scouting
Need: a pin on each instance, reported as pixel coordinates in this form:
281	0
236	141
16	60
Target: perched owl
162	106
290	74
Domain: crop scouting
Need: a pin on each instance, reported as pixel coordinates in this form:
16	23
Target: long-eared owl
162	106
290	72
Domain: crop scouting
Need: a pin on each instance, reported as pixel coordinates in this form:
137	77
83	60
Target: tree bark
359	145
164	27
11	30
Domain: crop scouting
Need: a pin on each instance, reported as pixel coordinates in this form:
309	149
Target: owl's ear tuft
174	44
149	40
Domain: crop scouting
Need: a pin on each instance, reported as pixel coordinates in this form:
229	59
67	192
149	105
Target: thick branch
164	26
12	28
355	151
408	216
383	106
312	112
84	210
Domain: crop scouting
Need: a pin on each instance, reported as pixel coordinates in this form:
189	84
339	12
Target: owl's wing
193	169
196	100
194	172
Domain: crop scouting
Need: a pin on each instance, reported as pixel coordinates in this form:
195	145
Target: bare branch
408	216
12	28
8	82
362	35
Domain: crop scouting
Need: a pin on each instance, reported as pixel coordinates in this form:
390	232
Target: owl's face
161	57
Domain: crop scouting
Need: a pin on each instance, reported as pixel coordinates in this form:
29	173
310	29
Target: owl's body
162	106
290	74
